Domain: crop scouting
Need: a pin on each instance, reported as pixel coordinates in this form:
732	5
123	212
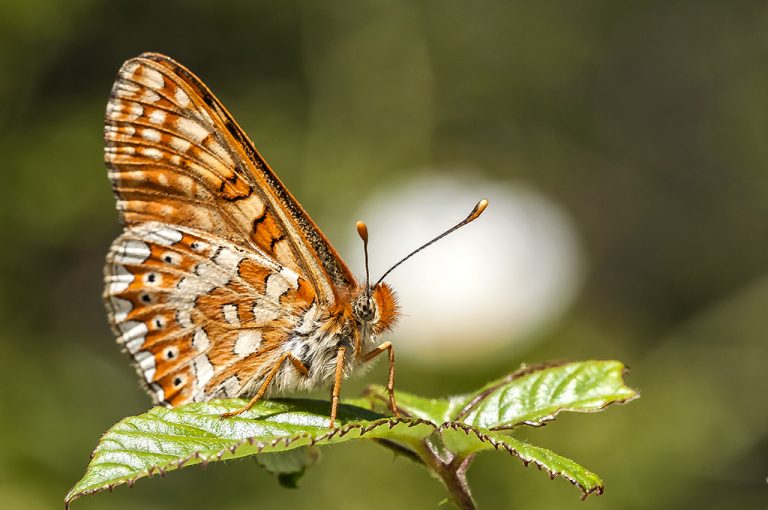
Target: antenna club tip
478	210
362	230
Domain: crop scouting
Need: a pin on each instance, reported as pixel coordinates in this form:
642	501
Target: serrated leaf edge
597	490
204	459
541	422
162	469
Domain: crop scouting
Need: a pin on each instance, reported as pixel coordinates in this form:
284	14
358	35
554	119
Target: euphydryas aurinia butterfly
221	285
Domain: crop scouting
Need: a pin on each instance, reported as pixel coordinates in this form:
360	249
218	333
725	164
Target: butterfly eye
366	309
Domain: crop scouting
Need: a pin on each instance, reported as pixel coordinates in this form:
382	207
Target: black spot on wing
259	220
274	241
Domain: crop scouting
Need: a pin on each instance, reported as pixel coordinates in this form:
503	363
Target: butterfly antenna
362	231
476	212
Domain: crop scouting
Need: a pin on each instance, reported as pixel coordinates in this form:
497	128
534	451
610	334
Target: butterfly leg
386	346
297	364
336	390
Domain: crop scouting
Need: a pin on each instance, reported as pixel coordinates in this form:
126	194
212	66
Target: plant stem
454	476
452	472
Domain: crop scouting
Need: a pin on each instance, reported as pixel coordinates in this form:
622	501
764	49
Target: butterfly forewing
201	317
221	285
177	156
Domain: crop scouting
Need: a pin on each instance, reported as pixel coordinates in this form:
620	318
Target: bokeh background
625	149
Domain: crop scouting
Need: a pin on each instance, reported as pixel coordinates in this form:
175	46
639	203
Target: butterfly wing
177	156
200	316
218	264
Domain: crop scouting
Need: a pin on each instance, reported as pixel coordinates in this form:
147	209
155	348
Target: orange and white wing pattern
201	317
219	271
221	285
176	156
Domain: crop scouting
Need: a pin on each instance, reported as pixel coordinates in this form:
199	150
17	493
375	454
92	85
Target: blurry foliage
647	122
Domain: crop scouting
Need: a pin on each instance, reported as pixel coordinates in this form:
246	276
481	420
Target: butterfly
221	285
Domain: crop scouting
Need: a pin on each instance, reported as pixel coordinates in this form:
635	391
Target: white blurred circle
490	284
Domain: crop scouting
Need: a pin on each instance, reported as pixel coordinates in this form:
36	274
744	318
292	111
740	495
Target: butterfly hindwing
194	310
176	155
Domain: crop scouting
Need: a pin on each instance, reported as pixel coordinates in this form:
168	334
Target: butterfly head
376	307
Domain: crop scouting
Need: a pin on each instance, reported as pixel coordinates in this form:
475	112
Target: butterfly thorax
356	322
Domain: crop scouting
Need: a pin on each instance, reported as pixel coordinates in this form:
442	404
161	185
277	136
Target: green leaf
163	440
535	395
466	440
530	396
443	434
290	465
435	410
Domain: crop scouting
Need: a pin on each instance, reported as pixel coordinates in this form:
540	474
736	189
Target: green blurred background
647	122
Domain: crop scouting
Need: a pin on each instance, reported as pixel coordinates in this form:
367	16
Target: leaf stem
450	469
455	479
